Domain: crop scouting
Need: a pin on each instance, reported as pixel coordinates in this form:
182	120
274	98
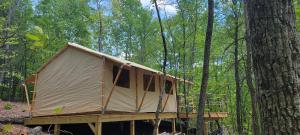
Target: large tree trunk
201	106
275	52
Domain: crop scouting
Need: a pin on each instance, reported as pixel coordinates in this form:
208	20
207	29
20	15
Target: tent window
124	80
146	80
168	87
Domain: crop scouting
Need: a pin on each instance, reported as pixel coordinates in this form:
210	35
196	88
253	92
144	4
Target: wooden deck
95	120
92	118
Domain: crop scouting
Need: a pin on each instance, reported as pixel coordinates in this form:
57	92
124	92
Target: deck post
173	126
98	128
56	129
157	130
206	128
132	127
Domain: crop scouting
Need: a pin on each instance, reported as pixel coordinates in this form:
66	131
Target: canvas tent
80	80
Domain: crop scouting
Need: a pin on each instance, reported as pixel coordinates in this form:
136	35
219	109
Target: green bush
8	106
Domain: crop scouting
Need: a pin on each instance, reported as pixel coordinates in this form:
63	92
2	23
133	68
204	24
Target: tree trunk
185	90
252	91
201	106
275	53
236	71
100	46
164	70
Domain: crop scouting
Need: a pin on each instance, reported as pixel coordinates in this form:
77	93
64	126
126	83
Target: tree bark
185	90
164	70
100	46
251	88
236	70
205	73
276	60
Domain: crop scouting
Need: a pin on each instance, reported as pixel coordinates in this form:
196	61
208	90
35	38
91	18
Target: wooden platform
92	118
95	120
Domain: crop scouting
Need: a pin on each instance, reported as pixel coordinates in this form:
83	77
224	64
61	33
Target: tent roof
112	58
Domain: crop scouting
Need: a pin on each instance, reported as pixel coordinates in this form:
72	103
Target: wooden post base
56	129
132	127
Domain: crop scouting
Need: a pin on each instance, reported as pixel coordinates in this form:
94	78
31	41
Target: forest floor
13	112
12	116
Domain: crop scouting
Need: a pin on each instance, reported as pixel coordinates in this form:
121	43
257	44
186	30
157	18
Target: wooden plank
136	89
205	128
93	118
61	119
27	98
34	93
128	117
102	83
98	128
157	130
56	129
113	88
208	116
132	127
92	127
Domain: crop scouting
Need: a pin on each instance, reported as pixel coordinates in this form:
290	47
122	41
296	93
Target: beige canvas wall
70	83
124	99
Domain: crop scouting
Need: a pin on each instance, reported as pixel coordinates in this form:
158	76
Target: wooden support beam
132	127
56	129
34	93
208	116
92	127
173	126
27	98
205	128
102	83
112	88
145	92
136	89
157	130
93	118
98	128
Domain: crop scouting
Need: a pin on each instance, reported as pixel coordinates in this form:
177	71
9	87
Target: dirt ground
17	110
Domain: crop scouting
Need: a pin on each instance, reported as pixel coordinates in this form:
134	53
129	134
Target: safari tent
80	80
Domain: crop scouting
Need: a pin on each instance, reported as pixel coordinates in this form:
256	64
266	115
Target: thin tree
236	68
100	45
164	70
205	74
276	58
251	88
185	90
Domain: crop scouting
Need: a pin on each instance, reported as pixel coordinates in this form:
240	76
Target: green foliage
57	110
130	31
7	128
37	37
7	106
